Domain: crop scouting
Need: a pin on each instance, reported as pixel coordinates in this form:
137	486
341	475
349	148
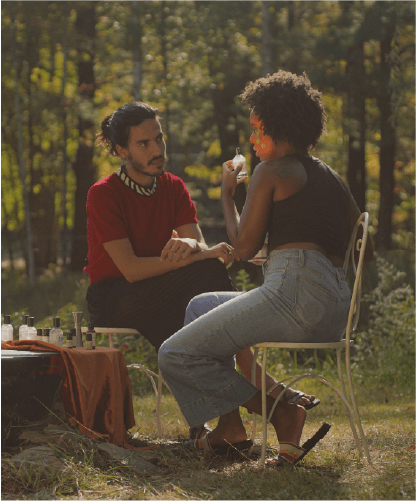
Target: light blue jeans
303	299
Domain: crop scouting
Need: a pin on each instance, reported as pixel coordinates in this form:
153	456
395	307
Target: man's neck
142	179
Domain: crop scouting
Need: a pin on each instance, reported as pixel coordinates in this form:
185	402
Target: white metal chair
350	406
157	388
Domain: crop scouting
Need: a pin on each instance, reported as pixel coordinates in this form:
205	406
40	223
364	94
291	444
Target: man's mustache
156	159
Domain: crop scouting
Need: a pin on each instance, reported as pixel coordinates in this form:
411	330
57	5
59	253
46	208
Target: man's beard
141	169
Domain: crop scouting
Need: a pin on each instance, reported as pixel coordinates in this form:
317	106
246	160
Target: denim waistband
301	255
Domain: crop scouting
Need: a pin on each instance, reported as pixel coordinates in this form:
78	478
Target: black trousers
155	306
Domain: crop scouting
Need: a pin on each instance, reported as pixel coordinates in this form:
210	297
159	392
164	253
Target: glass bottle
23	327
56	335
73	333
39	336
237	160
93	333
31	333
69	340
6	329
88	341
45	337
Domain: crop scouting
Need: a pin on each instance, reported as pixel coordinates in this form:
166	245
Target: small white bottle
23	327
237	160
31	332
6	329
56	335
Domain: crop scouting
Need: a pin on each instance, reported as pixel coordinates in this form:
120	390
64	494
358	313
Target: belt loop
339	279
301	258
264	265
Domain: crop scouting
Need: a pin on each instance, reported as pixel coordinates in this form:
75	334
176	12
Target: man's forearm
140	268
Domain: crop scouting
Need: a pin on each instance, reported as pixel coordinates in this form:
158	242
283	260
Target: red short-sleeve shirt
116	210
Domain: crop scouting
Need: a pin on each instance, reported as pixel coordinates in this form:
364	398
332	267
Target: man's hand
179	248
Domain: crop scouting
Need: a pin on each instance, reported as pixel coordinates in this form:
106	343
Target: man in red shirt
141	277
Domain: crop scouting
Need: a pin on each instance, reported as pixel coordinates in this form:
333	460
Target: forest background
66	65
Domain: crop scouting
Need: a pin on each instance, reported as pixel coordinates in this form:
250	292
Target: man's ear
122	152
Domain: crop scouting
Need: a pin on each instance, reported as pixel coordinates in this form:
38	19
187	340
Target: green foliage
243	281
387	345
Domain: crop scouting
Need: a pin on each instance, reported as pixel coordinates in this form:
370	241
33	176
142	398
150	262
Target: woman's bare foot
229	430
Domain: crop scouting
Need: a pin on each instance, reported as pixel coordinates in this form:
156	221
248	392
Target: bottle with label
69	340
88	341
31	332
6	329
39	336
73	333
93	334
45	337
56	335
23	327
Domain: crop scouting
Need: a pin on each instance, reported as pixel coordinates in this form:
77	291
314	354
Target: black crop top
317	213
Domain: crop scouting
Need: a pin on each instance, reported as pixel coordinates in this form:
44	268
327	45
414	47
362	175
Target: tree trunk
356	124
166	121
387	148
136	32
30	264
84	168
266	39
64	231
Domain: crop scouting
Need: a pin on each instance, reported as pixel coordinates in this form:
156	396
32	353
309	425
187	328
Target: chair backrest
358	245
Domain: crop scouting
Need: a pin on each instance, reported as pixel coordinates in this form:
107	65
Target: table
96	390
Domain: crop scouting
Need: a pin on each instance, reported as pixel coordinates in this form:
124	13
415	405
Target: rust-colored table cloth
96	389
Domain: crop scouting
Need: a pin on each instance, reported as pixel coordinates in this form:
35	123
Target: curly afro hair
289	108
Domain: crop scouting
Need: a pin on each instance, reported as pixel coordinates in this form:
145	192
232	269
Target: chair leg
264	408
355	407
253	381
158	399
351	420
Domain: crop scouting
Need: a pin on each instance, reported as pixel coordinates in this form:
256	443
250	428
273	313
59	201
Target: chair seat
294	346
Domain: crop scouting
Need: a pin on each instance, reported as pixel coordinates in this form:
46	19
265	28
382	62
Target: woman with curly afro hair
308	213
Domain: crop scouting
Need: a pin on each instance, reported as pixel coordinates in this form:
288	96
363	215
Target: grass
333	470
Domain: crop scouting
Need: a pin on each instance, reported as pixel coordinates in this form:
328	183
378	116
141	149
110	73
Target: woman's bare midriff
335	260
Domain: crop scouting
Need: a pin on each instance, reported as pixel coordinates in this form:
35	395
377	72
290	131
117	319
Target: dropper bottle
23	327
31	332
56	334
6	329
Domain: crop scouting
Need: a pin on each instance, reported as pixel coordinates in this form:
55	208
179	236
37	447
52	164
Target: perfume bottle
56	335
88	341
45	337
31	332
237	160
39	336
69	340
23	327
93	333
6	329
73	334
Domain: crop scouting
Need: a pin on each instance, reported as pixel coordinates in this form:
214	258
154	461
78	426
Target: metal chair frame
350	404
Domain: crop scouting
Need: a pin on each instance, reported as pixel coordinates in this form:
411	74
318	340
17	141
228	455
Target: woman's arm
247	233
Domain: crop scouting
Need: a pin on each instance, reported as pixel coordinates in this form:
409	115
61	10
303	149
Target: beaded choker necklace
128	181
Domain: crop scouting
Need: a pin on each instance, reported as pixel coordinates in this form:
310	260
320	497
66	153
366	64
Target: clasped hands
178	249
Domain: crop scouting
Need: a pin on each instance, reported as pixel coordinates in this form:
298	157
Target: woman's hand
229	177
223	251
